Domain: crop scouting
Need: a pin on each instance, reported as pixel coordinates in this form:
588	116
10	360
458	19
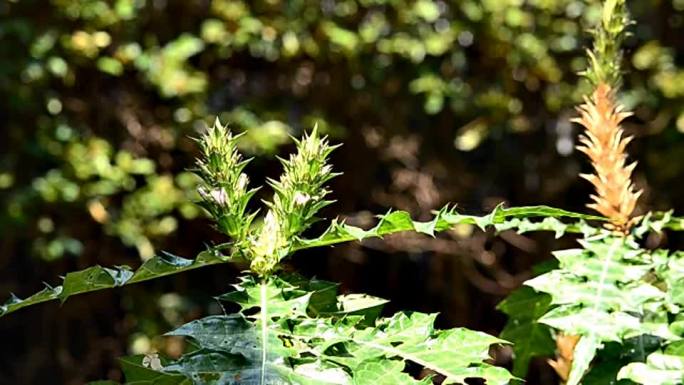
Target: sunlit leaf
274	340
98	278
517	218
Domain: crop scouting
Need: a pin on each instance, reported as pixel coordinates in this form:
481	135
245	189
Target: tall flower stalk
603	140
605	144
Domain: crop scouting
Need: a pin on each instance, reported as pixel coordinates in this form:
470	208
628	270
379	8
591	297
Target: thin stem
264	328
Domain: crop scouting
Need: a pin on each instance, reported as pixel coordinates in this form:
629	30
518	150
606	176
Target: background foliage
435	102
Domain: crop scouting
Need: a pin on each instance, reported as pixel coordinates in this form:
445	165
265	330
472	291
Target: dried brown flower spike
565	345
604	143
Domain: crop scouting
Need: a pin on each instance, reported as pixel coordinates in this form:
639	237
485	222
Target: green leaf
98	278
657	221
661	367
599	289
457	354
518	218
324	300
136	372
530	338
584	353
611	290
672	272
614	356
275	340
92	279
262	340
385	372
364	305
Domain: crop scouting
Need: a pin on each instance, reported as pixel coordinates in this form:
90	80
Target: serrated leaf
92	279
672	272
364	305
457	354
98	278
220	332
282	298
657	221
324	300
276	341
500	218
611	290
264	339
602	280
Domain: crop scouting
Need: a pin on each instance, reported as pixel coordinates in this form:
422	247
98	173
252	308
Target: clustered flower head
298	195
300	191
224	187
268	246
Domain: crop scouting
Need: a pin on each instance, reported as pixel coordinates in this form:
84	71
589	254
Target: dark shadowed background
449	101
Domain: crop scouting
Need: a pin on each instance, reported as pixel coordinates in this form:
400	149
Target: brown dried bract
565	345
604	143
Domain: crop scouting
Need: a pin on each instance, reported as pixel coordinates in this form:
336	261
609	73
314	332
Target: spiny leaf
93	278
241	349
656	221
324	300
98	278
282	344
673	275
227	333
283	298
519	218
674	223
457	354
611	290
598	290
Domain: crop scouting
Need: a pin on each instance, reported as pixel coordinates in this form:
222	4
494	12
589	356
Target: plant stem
264	327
